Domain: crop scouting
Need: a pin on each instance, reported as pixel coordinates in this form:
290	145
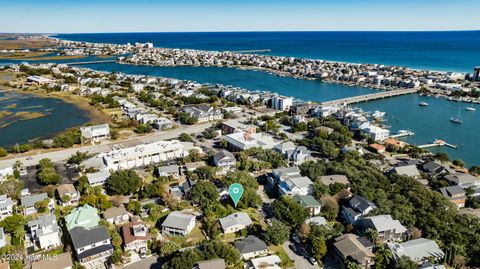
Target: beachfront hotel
146	154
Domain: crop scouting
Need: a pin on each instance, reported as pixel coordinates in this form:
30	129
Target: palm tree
19	233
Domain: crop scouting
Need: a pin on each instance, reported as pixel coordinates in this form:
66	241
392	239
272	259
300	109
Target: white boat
378	114
470	108
423	104
456	119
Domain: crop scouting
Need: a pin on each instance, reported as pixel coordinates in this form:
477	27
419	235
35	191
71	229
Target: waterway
26	116
403	112
440	50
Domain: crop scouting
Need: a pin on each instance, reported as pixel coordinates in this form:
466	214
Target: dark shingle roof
82	237
250	244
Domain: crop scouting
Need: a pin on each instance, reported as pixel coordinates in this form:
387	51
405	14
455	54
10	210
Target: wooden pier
437	143
369	97
91	62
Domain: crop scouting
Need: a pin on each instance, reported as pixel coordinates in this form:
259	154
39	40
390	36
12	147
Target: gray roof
330	179
417	249
223	154
407	170
239	218
360	203
45	221
317	220
452	191
177	220
250	244
284	146
287	171
212	264
98	176
462	178
7	201
28	201
114	212
383	223
82	237
169	169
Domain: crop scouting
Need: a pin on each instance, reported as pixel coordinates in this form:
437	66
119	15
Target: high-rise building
476	73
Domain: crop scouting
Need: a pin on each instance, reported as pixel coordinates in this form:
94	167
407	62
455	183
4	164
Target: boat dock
437	143
369	97
402	134
91	62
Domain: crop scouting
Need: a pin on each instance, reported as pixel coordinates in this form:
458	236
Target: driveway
147	263
299	261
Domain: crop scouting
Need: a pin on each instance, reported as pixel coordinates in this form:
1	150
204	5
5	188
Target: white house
281	102
249	139
92	246
135	236
116	215
68	194
251	246
418	250
28	203
145	118
224	159
98	178
6	172
43	232
235	222
6	206
358	208
178	223
96	133
374	132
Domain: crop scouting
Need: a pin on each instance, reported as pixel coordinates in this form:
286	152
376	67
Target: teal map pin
236	191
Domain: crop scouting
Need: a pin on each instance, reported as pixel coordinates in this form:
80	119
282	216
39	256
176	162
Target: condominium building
146	154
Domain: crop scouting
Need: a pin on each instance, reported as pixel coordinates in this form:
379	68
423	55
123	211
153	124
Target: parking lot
68	175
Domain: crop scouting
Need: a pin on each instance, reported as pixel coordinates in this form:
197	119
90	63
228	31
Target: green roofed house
309	203
85	216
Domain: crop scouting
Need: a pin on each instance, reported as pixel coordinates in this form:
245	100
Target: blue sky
68	16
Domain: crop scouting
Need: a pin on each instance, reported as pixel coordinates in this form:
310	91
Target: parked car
293	247
312	260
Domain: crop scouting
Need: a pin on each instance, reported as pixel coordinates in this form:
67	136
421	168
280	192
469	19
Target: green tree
123	182
167	248
289	211
46	173
277	233
3	152
442	156
186	259
319	248
222	250
405	262
330	208
184	137
77	158
204	193
134	206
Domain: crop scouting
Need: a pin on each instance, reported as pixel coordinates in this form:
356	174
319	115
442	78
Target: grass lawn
280	252
193	238
253	214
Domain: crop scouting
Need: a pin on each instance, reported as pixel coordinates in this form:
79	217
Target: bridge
252	51
91	62
368	97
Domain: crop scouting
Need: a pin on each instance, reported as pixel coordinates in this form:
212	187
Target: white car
23	172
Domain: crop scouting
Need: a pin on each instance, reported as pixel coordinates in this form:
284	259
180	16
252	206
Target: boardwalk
91	62
368	97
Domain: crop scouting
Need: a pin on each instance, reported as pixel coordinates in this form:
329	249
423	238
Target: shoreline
94	115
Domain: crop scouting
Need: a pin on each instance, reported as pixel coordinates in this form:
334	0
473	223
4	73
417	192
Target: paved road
147	263
299	261
61	155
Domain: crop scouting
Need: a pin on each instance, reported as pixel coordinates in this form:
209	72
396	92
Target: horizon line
248	31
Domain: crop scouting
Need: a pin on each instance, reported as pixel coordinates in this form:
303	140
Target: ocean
455	51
